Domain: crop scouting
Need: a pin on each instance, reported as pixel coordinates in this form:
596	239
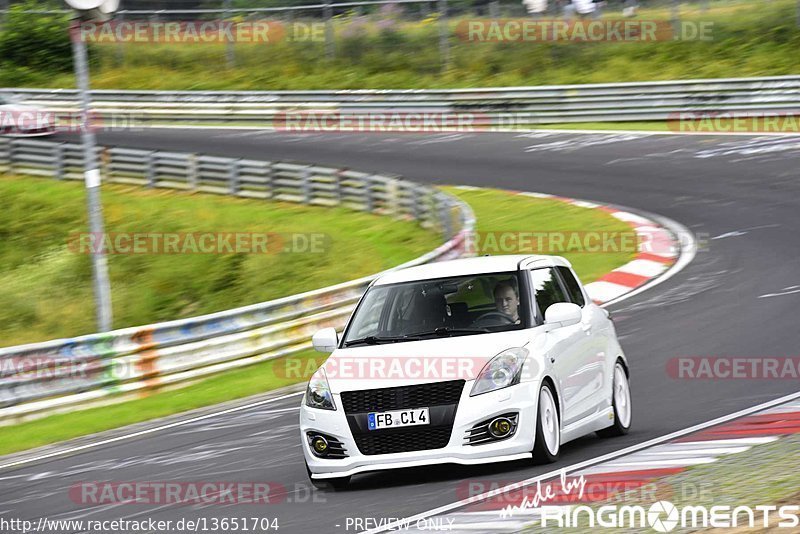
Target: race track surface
741	192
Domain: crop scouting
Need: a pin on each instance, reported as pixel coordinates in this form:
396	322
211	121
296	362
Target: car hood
417	362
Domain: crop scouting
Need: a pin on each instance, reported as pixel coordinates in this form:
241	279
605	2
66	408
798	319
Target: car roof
467	266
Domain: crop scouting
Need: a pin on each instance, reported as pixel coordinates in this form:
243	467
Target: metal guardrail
493	108
61	374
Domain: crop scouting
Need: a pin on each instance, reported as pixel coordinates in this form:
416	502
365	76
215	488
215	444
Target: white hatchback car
469	361
20	120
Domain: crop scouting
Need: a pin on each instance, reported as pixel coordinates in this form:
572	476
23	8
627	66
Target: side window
573	288
546	288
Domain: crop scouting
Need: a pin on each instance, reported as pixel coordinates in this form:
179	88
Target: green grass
518	214
47	291
495	210
745	41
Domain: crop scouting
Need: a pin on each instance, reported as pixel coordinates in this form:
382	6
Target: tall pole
91	175
444	35
327	13
230	54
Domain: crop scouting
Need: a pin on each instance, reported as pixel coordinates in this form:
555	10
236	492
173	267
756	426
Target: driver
506	299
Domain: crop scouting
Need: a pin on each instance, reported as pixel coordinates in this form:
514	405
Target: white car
470	361
21	120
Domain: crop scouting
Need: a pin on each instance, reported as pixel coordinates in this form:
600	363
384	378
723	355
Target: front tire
325	484
621	402
547	444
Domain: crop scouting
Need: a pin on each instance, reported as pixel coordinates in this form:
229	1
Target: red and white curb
500	510
658	247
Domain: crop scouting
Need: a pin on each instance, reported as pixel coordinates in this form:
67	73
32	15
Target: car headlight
502	371
318	392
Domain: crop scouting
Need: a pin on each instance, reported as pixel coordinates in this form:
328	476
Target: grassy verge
496	211
501	214
389	51
764	475
47	290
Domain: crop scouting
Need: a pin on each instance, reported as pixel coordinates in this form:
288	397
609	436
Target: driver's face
507	302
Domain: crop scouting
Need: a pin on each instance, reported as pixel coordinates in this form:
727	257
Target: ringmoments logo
663	516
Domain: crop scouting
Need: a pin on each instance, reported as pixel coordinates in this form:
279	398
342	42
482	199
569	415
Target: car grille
402	397
416	440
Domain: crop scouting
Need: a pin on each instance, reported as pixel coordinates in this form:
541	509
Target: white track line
581	465
144	432
500	130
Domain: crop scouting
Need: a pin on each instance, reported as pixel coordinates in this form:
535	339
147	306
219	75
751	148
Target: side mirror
562	314
325	340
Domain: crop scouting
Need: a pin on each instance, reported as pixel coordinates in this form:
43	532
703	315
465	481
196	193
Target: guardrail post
151	169
305	176
443	206
58	161
234	177
393	197
432	214
415	207
104	157
268	185
11	153
327	13
337	186
191	172
369	198
444	40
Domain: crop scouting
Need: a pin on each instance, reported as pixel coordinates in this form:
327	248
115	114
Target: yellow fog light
320	445
500	427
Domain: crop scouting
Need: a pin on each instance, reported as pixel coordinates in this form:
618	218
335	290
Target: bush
35	41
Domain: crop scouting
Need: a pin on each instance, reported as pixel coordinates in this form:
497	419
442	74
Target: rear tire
326	484
547	444
621	402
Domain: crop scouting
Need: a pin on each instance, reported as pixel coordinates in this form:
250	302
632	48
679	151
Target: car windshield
464	305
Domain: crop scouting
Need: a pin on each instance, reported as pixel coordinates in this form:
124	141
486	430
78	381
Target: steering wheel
503	318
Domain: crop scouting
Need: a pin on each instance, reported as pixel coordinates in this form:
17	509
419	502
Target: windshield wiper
376	340
444	331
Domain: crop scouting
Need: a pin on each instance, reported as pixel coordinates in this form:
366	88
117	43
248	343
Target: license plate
398	418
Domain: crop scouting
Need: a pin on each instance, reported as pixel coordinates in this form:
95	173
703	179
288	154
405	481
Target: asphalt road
742	193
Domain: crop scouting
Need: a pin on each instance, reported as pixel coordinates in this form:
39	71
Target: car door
592	346
564	347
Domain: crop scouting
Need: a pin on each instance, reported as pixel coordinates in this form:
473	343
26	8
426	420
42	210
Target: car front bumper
521	399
